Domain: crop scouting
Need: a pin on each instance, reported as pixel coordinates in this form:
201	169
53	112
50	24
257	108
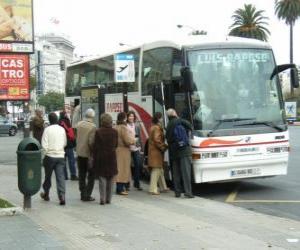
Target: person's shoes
107	202
45	196
102	203
155	193
62	201
177	195
66	178
165	190
189	196
90	198
122	193
74	178
139	189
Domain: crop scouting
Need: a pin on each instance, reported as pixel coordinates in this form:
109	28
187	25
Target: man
180	155
85	134
54	141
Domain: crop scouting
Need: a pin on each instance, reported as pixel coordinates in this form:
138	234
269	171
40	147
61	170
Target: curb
11	211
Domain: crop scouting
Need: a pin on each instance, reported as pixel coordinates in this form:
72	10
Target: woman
105	159
64	121
125	139
135	149
156	149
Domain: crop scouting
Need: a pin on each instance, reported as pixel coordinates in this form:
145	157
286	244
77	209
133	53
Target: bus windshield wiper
221	121
266	123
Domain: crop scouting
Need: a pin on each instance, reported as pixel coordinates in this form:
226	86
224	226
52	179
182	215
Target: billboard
14	77
16	26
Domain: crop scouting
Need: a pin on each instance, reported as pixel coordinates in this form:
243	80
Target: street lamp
194	32
125	44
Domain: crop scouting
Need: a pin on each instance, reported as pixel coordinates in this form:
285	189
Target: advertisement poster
16	26
14	77
124	68
291	111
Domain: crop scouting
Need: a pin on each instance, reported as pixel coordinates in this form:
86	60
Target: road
279	196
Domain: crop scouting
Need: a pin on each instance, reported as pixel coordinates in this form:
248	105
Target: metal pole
27	201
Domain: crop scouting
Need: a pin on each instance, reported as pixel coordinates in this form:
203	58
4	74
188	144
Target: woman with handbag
156	149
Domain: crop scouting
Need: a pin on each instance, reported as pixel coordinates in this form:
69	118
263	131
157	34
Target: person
85	132
64	121
104	157
76	117
54	140
37	125
180	156
156	149
135	149
125	139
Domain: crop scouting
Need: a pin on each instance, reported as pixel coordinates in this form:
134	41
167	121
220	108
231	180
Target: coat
156	147
104	152
176	153
37	127
125	139
85	133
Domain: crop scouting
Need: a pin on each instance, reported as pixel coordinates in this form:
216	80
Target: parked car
7	127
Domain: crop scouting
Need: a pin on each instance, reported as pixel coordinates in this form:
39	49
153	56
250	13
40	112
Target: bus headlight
281	149
207	155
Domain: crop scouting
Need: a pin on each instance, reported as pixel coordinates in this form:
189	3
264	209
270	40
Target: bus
228	89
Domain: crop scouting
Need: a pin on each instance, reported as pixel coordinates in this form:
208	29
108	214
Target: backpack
180	136
69	131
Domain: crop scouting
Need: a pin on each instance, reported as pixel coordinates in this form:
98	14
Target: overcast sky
98	26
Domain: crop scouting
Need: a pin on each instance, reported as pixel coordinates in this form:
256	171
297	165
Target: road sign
124	68
291	111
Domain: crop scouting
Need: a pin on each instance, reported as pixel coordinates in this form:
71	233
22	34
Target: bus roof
190	42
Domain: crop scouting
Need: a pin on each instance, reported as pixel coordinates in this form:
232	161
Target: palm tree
289	11
250	23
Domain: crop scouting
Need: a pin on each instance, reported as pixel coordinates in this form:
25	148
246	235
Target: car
7	127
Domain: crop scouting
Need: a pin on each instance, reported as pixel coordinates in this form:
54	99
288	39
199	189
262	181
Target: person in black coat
104	157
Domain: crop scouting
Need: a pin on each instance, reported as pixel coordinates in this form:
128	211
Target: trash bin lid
29	144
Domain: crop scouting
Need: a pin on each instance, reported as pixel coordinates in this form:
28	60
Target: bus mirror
294	78
187	77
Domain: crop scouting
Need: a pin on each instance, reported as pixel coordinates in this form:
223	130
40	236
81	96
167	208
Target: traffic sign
124	68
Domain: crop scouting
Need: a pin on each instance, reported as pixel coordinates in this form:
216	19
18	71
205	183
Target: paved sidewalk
142	221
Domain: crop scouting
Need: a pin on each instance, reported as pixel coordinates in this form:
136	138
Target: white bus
228	89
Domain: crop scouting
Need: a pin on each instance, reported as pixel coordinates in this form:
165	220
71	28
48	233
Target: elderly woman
105	159
125	139
156	149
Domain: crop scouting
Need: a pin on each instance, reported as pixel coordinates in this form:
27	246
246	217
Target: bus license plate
245	172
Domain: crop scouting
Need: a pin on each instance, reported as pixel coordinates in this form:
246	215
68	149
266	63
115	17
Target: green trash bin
29	166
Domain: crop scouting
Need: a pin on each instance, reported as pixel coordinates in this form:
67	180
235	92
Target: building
49	50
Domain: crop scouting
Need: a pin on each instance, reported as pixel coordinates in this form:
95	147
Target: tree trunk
291	54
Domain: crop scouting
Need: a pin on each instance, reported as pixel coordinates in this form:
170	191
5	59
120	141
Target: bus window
157	65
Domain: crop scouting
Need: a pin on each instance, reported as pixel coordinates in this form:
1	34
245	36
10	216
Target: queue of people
108	153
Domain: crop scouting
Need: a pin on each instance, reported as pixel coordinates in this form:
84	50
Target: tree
289	11
32	82
249	23
52	101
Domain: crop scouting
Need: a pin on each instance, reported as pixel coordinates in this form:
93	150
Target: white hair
171	112
89	113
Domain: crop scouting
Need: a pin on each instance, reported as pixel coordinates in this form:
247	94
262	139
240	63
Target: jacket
156	147
85	133
176	153
104	152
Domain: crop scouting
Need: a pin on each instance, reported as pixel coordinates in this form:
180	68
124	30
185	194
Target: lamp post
194	32
125	44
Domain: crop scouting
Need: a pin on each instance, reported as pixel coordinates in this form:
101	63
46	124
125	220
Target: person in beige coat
125	139
156	149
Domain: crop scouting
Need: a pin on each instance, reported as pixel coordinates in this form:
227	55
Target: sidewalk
142	221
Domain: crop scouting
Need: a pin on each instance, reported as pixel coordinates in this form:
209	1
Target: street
279	196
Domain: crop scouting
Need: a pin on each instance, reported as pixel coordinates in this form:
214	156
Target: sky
96	27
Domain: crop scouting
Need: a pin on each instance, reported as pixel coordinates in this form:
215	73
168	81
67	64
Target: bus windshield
232	88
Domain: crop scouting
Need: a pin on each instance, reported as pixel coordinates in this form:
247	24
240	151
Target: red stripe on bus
238	145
